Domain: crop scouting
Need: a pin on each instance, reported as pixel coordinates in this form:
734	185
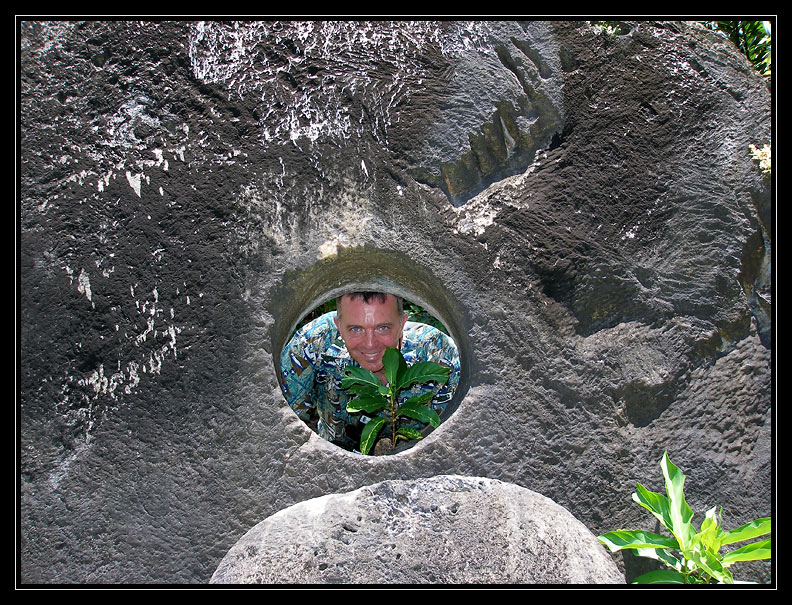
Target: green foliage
418	313
373	397
699	560
753	38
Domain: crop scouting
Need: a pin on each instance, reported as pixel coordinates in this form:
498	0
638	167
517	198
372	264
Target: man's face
369	328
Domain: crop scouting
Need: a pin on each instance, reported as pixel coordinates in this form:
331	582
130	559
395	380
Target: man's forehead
374	303
376	300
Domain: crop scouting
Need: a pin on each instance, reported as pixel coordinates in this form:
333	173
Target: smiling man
364	325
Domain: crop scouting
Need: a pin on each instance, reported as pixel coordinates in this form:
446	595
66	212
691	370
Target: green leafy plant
699	560
753	38
418	313
374	397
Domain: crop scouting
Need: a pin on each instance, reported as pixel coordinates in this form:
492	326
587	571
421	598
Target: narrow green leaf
756	551
422	399
710	534
707	561
366	403
660	554
408	433
419	412
423	371
655	503
634	539
369	434
360	376
679	511
361	389
394	364
660	576
754	529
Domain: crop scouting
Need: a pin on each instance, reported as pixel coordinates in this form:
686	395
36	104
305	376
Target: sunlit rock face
581	205
441	530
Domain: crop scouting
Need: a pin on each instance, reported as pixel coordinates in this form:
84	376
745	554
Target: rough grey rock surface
441	530
581	206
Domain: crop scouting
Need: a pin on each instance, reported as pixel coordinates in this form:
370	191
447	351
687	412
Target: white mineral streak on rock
84	285
228	53
134	182
126	378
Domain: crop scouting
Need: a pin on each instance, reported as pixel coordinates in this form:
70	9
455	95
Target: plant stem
393	419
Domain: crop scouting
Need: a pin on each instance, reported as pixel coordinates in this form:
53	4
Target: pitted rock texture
443	530
583	204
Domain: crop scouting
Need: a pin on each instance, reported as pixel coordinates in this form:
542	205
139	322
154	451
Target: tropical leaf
406	432
394	364
756	551
423	371
420	412
679	512
366	403
754	529
360	377
710	534
655	503
635	539
660	576
424	398
660	554
369	434
707	561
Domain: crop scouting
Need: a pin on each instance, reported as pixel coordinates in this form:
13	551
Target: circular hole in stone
302	295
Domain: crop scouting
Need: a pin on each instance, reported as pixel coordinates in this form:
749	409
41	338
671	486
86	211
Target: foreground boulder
447	529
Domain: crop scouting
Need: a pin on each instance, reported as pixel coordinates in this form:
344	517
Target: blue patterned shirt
313	365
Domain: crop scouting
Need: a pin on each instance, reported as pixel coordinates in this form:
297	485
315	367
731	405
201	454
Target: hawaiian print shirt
314	361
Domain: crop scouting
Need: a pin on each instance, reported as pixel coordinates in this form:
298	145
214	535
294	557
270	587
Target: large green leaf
754	529
369	434
420	412
655	503
405	432
679	512
423	371
360	377
424	398
635	539
660	576
394	364
660	554
756	551
366	403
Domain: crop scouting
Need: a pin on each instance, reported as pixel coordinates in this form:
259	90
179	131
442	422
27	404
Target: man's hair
369	296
